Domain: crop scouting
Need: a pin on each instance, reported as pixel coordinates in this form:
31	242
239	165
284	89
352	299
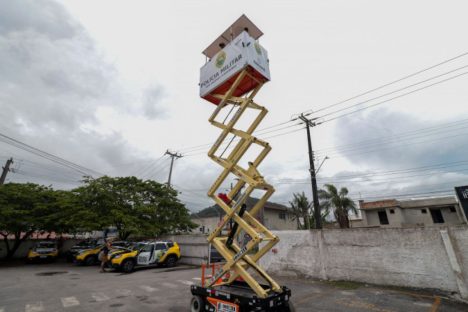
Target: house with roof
433	211
274	216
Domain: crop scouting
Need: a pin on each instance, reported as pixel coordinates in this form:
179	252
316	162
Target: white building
411	213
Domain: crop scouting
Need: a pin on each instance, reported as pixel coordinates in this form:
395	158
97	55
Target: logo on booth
258	48
220	58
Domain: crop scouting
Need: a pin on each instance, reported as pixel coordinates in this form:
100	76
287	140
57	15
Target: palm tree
300	208
324	213
339	202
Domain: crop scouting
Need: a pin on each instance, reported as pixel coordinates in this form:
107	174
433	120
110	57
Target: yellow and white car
43	251
88	256
145	254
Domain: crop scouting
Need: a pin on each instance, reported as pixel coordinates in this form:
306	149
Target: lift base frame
240	294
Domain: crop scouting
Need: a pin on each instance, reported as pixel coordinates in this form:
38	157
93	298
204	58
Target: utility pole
172	155
6	169
317	214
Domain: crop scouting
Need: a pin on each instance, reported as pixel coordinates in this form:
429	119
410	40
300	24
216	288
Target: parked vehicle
81	246
87	252
88	256
43	251
145	254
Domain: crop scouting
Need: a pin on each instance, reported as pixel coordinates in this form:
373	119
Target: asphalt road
66	287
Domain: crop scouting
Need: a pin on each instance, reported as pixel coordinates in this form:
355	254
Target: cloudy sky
111	85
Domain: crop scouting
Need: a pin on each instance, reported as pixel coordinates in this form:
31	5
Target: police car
144	254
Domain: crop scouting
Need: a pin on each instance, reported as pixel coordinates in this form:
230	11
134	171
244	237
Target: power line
363	108
152	164
391	83
44	167
431	185
49	178
191	149
431	167
393	98
394	136
28	148
394	91
389	145
205	146
351	180
263	138
411	194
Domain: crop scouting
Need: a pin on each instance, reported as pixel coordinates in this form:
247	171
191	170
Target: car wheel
197	304
171	261
90	260
128	266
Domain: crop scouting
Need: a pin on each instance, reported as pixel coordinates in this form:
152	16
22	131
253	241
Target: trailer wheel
197	304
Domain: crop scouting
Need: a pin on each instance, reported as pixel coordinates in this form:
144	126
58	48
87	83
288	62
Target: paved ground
65	287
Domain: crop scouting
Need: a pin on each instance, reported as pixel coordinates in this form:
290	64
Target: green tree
324	216
339	202
133	206
300	207
25	209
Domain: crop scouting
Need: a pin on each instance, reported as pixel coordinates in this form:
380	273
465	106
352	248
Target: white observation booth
235	49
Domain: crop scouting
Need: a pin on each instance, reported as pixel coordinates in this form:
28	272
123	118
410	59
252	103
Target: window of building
423	211
436	215
282	215
392	211
383	217
452	209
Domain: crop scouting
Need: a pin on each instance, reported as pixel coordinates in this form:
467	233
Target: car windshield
45	245
147	248
138	246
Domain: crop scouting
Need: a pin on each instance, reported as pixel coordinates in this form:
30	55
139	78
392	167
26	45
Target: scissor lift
236	70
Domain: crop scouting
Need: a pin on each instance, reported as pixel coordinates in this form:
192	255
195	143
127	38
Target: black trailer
238	297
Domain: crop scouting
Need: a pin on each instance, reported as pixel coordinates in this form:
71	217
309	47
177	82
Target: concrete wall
372	218
433	257
416	216
395	219
193	247
209	223
451	217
